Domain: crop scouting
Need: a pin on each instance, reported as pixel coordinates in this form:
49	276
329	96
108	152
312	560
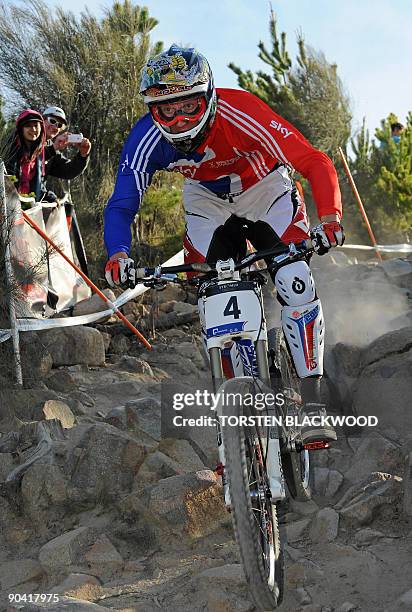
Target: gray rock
404	602
191	504
367	536
158	466
104	462
102	559
36	360
44	489
6	465
119	345
325	525
55	409
79	586
407	486
66	550
347	606
74	345
133	364
61	380
362	502
296	530
224	574
392	342
399	271
13	573
303	596
184	308
327	482
171	293
384	390
374	453
94	304
182	452
348	358
305	508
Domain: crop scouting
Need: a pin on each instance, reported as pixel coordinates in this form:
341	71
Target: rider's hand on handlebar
120	271
326	235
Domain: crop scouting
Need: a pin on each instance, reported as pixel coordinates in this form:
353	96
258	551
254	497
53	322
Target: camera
74	138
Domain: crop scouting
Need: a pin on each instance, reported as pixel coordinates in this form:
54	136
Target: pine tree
310	94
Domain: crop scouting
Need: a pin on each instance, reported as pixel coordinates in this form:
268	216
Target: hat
29	115
55	111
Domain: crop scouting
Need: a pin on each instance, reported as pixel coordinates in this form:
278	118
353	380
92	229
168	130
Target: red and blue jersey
245	142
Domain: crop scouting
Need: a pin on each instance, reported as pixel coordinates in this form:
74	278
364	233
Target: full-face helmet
178	85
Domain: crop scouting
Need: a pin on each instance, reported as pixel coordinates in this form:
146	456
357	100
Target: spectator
57	164
26	156
396	131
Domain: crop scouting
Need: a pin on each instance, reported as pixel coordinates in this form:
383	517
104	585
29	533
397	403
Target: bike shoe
316	431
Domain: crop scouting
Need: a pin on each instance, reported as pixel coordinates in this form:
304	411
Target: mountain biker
236	155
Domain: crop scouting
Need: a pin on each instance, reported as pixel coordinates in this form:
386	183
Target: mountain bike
258	450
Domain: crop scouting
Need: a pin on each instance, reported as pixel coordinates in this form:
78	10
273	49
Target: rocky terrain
102	511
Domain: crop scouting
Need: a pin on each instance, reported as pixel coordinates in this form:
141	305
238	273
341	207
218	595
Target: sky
369	40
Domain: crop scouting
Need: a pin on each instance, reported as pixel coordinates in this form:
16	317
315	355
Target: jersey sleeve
139	160
289	146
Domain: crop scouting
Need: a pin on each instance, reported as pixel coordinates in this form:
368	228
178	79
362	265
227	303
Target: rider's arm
292	147
138	162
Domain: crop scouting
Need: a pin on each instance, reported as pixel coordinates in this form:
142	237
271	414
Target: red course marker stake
87	280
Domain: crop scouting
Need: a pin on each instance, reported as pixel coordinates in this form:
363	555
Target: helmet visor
168	113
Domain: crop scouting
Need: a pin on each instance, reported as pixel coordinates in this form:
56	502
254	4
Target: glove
326	235
121	272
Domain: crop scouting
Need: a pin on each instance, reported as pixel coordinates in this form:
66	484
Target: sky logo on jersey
280	128
227	328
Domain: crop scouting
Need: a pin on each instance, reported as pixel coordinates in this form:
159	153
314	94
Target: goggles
169	113
55	122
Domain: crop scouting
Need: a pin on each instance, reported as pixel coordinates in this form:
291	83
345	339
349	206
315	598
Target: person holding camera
58	139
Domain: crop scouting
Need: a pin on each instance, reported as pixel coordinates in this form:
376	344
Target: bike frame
233	313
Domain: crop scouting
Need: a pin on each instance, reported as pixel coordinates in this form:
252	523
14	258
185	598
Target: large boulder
399	271
190	504
393	342
15	573
374	453
364	501
66	551
104	462
74	345
384	390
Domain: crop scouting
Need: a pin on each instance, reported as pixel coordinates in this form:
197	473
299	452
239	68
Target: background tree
90	67
383	173
309	94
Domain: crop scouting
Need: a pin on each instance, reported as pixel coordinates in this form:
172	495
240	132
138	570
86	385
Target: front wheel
253	513
297	467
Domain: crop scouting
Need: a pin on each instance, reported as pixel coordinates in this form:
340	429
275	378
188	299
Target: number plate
233	312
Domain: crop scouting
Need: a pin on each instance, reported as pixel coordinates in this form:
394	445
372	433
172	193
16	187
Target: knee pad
294	284
304	330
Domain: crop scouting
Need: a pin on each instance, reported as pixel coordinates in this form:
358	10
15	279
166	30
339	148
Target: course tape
383	248
130	294
42	324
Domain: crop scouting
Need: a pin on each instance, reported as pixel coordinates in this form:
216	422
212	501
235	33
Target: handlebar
279	259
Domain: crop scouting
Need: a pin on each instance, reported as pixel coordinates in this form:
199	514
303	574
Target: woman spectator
25	159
